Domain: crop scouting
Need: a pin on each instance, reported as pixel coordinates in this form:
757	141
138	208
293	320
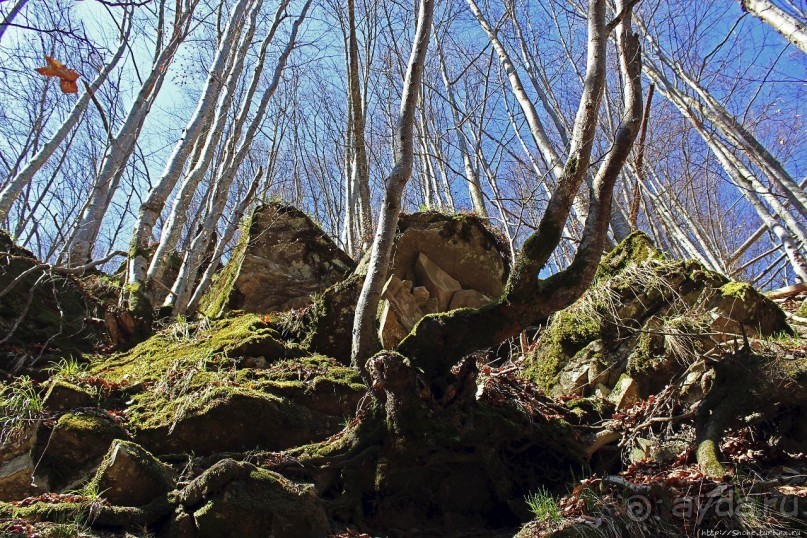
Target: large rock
237	499
129	475
462	249
462	245
282	258
647	317
41	306
68	452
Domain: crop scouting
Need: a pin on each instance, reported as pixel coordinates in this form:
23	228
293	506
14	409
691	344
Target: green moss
742	303
245	335
215	300
739	290
570	331
635	248
317	369
136	301
86	424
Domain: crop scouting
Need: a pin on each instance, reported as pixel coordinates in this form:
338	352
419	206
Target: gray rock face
130	476
461	245
280	261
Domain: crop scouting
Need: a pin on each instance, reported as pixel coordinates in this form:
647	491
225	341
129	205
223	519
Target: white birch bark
733	129
747	181
180	296
743	179
178	213
364	338
791	29
152	206
121	149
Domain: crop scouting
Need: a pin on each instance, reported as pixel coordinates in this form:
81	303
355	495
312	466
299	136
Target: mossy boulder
237	499
282	258
129	475
42	308
195	387
646	316
224	419
63	396
204	345
67	452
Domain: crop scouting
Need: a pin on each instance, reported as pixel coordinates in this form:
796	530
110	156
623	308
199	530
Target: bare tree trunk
229	232
151	208
178	214
181	290
360	179
23	178
730	127
438	341
364	337
749	184
792	29
121	148
471	176
745	181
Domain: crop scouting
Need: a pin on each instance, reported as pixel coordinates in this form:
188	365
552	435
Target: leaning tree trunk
792	29
178	214
122	147
152	206
364	337
182	287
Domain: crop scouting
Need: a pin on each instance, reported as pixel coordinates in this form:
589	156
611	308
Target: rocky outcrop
437	259
283	257
644	320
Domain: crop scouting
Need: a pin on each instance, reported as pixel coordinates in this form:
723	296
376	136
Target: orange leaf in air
67	77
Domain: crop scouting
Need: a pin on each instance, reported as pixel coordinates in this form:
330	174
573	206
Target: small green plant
20	405
68	368
543	506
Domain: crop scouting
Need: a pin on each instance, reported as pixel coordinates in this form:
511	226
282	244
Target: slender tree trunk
121	149
364	337
9	18
360	179
471	176
218	252
182	288
748	182
178	214
152	206
735	131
